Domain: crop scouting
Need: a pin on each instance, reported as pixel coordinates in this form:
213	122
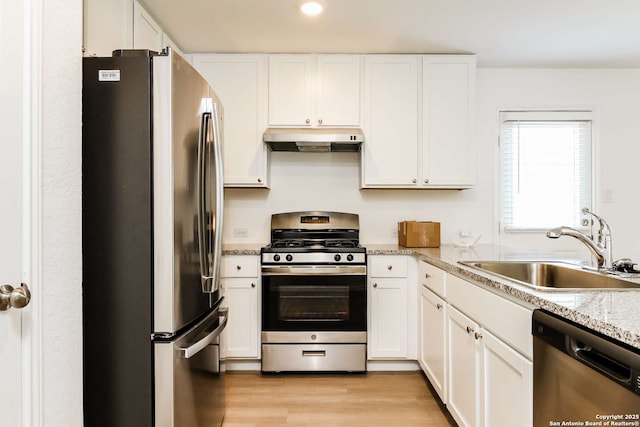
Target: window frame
544	115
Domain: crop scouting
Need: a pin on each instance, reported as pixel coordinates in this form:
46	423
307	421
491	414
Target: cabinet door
290	90
240	339
433	334
508	385
338	90
240	82
390	150
464	369
388	318
147	34
108	25
448	85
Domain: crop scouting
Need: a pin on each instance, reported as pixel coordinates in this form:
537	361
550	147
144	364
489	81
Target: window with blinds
546	169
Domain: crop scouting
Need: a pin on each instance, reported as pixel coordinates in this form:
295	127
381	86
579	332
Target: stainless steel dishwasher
579	376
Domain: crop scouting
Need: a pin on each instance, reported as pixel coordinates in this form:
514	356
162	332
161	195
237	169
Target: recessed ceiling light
312	7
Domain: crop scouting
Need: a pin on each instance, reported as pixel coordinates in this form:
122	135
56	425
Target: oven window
313	304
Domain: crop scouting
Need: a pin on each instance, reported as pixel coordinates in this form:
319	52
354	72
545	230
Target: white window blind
546	169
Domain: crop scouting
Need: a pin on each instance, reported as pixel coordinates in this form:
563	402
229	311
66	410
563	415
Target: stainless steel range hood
315	140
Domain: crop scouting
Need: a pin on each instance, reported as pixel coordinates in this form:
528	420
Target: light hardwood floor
372	399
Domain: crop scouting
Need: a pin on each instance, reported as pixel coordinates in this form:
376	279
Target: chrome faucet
601	248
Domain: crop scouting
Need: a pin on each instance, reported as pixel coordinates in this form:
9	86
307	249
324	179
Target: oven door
314	298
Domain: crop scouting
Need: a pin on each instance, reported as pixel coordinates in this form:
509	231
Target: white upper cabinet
107	25
418	121
390	121
147	34
240	82
448	94
338	87
121	24
314	90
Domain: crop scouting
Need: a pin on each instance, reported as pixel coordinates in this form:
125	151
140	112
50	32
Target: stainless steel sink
552	275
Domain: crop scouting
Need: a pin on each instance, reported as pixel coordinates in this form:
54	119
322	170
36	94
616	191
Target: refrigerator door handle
205	126
219	195
193	349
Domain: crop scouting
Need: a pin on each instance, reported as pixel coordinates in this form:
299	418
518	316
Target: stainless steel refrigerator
152	225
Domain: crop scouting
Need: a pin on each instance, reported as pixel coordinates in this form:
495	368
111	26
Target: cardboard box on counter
419	234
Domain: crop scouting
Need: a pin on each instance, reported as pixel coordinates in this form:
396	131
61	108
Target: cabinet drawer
432	277
507	320
388	266
239	266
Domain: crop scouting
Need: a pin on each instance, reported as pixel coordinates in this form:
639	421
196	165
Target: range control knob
276	257
337	257
350	257
289	257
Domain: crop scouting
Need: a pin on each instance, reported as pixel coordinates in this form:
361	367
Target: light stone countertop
242	248
614	313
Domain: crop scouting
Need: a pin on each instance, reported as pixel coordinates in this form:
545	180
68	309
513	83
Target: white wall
61	251
614	96
302	181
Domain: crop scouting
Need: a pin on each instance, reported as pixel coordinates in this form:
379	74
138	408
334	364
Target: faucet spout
600	252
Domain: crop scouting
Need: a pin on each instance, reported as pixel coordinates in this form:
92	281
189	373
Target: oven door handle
309	270
192	350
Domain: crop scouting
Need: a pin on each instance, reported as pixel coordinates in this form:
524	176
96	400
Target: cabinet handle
253	285
375	285
307	121
426	275
414	180
478	336
259	179
469	329
389	267
319	121
426	181
439	306
238	267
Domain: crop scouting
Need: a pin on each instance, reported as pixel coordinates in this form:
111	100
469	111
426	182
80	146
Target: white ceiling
503	33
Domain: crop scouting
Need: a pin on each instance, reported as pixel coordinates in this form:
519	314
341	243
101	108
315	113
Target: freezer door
189	387
187	197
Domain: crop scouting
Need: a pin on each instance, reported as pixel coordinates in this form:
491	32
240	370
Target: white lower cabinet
392	329
476	350
508	385
464	369
490	384
432	351
388	326
240	286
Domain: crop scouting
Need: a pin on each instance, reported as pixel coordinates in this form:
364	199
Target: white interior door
11	189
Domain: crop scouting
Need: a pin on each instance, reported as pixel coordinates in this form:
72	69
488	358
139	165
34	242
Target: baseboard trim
372	365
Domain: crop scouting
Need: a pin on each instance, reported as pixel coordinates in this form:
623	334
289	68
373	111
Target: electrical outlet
240	232
394	233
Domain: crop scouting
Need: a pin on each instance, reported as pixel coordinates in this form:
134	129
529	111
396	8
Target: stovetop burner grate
313	243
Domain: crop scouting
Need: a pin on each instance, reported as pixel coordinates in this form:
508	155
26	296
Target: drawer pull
375	285
253	285
426	275
238	267
311	353
439	306
389	267
470	329
478	336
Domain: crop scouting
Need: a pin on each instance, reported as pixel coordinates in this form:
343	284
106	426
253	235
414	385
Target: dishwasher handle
605	355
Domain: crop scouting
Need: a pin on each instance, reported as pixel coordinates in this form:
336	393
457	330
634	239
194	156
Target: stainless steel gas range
314	294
